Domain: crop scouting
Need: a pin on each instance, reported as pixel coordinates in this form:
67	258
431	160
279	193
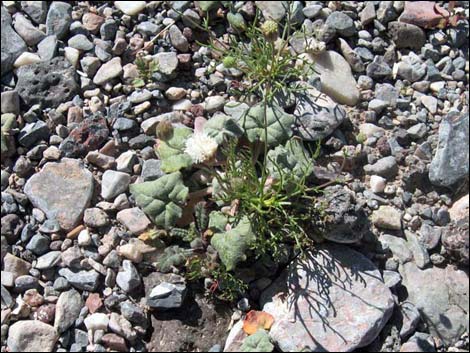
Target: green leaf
217	221
173	256
279	124
208	5
237	21
258	342
171	151
162	199
222	127
291	159
233	244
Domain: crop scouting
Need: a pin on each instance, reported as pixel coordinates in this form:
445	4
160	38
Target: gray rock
429	236
10	102
312	11
177	39
47	188
33	133
451	160
38	244
387	217
95	218
108	29
398	246
108	71
49	83
31	336
151	170
36	10
12	44
80	42
346	221
406	35
134	219
47	48
419	342
114	183
420	254
134	314
128	279
409	317
48	260
391	278
68	309
148	28
441	296
335	300
317	116
27	30
379	69
336	77
167	64
59	19
411	68
387	93
368	15
83	280
273	10
342	23
386	167
7	301
165	291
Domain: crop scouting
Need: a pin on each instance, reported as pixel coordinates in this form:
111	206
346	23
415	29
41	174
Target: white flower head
200	147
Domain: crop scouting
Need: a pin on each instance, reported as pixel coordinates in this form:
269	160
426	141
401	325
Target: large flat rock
62	191
334	300
441	297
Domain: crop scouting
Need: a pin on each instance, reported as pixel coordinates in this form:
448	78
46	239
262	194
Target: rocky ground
76	132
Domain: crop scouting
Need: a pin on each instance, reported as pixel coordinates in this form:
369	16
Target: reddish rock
94	302
114	342
134	219
46	313
88	136
92	22
425	14
33	298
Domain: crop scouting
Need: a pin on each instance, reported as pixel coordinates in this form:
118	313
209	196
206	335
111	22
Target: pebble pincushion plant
256	204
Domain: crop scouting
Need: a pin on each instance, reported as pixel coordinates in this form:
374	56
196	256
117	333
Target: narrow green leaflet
171	151
279	124
162	199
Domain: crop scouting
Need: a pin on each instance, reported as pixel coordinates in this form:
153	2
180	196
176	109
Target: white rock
108	71
97	321
162	290
175	93
430	103
369	130
377	184
183	104
84	238
72	55
336	77
130	8
26	59
214	103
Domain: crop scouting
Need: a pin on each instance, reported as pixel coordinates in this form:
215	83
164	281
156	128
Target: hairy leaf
278	124
173	256
222	127
233	244
292	159
162	199
171	151
259	342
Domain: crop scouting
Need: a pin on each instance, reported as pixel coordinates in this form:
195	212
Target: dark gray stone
342	23
59	18
48	83
83	280
33	133
450	164
36	10
12	44
151	170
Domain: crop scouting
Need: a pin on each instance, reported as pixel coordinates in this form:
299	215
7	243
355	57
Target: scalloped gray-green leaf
290	159
221	127
279	124
162	199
